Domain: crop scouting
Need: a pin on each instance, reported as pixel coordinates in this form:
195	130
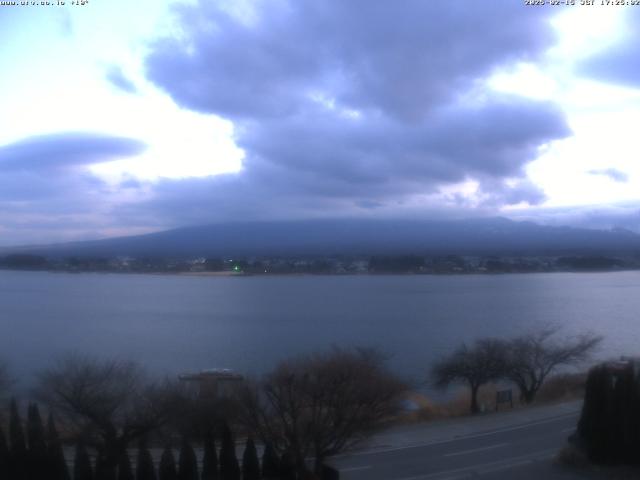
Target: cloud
615	216
46	190
341	108
344	106
60	150
618	63
116	77
65	23
612	173
397	58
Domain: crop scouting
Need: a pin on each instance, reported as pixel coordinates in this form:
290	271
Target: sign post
504	396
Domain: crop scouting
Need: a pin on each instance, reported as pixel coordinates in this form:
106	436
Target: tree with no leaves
532	357
322	404
108	402
476	365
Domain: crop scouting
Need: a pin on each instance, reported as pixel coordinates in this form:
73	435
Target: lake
177	323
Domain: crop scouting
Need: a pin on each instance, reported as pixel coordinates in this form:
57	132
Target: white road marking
484	467
474	450
375	451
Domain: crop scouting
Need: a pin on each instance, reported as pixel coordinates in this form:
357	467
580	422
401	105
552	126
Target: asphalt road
515	451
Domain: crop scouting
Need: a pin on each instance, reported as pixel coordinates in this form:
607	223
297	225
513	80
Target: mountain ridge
495	235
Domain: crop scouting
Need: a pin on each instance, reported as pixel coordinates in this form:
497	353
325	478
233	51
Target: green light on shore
236	268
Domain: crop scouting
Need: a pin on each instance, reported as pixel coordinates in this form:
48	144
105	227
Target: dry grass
571	456
566	386
559	388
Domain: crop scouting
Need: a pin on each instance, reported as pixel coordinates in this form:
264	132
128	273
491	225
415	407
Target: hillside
354	237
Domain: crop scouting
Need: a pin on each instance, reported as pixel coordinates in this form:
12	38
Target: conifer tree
82	464
167	469
287	467
4	456
58	469
210	458
18	449
270	463
229	468
250	463
188	463
144	466
125	472
104	470
37	452
56	462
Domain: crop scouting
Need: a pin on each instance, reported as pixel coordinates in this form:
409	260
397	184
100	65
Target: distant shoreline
227	274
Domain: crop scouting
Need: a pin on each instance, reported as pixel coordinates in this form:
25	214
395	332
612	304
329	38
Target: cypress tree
4	456
102	470
210	458
270	463
82	464
144	466
18	449
594	427
58	469
37	453
250	463
287	467
167	470
188	463
229	468
125	472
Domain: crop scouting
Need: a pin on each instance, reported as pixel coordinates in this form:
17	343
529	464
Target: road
517	446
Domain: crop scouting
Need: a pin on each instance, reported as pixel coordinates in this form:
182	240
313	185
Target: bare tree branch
532	357
322	404
110	402
476	365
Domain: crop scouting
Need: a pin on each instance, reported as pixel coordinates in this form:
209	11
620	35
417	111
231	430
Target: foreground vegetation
307	409
525	361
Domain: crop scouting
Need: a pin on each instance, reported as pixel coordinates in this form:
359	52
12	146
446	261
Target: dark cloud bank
45	188
343	109
347	107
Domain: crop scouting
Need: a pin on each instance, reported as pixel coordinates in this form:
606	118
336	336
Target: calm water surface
179	323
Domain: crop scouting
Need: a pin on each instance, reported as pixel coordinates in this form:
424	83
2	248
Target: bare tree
475	366
322	404
109	403
532	357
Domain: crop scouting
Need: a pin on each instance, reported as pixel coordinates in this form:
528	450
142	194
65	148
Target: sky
121	118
